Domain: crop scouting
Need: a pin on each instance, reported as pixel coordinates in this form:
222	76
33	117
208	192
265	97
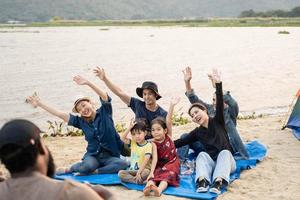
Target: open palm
187	73
99	72
33	100
80	80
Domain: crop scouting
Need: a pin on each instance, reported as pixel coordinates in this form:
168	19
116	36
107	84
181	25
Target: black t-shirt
214	137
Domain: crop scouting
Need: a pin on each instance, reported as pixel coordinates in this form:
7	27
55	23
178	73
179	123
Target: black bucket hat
148	85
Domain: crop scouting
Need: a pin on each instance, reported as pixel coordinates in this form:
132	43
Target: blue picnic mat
256	150
187	189
103	179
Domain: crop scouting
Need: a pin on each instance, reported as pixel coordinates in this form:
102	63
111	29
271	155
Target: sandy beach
276	177
262	78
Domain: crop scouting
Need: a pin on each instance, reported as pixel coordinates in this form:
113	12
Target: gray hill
44	10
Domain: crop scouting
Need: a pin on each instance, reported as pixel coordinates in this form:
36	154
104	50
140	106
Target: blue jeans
209	169
183	152
239	149
103	163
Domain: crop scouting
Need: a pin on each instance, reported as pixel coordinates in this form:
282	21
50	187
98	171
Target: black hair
161	121
51	166
139	126
198	105
19	159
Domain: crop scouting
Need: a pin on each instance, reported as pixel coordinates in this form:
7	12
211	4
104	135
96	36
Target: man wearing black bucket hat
31	166
147	109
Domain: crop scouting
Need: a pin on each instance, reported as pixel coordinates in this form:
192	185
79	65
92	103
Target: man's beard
51	166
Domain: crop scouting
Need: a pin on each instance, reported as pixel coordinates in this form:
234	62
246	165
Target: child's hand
138	179
151	175
175	100
216	76
80	80
33	100
99	72
187	74
131	124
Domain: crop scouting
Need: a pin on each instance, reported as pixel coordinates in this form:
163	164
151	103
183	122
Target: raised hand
210	76
99	72
187	74
131	124
80	80
216	76
33	100
175	100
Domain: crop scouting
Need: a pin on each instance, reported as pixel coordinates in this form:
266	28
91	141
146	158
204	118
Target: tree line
295	12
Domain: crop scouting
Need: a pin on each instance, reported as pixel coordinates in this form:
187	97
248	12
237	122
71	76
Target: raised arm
232	104
169	121
228	99
219	94
123	135
114	88
82	81
190	93
187	75
210	77
35	101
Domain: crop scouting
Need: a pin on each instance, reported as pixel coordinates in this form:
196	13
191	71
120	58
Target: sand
276	177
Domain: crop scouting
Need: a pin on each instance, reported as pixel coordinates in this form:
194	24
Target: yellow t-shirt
138	153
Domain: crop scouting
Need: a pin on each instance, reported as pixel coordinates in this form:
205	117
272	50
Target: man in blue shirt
104	144
147	109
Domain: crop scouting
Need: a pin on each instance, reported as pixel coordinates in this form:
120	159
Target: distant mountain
44	10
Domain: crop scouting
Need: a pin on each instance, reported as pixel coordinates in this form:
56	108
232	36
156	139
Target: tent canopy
294	120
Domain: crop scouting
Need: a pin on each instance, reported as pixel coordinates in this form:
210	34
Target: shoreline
205	22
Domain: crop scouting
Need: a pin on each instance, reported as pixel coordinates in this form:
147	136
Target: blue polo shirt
140	111
100	133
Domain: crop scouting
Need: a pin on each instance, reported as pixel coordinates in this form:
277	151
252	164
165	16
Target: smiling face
85	109
149	96
198	115
158	132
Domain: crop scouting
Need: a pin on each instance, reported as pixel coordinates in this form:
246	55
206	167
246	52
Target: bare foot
62	170
156	191
147	190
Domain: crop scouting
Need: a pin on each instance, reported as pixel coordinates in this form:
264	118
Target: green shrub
61	129
120	127
179	119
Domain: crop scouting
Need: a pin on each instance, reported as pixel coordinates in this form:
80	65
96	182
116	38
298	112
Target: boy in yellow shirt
141	153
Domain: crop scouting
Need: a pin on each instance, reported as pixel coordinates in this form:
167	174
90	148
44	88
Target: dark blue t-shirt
141	112
100	134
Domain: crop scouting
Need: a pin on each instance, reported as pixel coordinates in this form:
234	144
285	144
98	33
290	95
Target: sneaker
216	187
202	186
